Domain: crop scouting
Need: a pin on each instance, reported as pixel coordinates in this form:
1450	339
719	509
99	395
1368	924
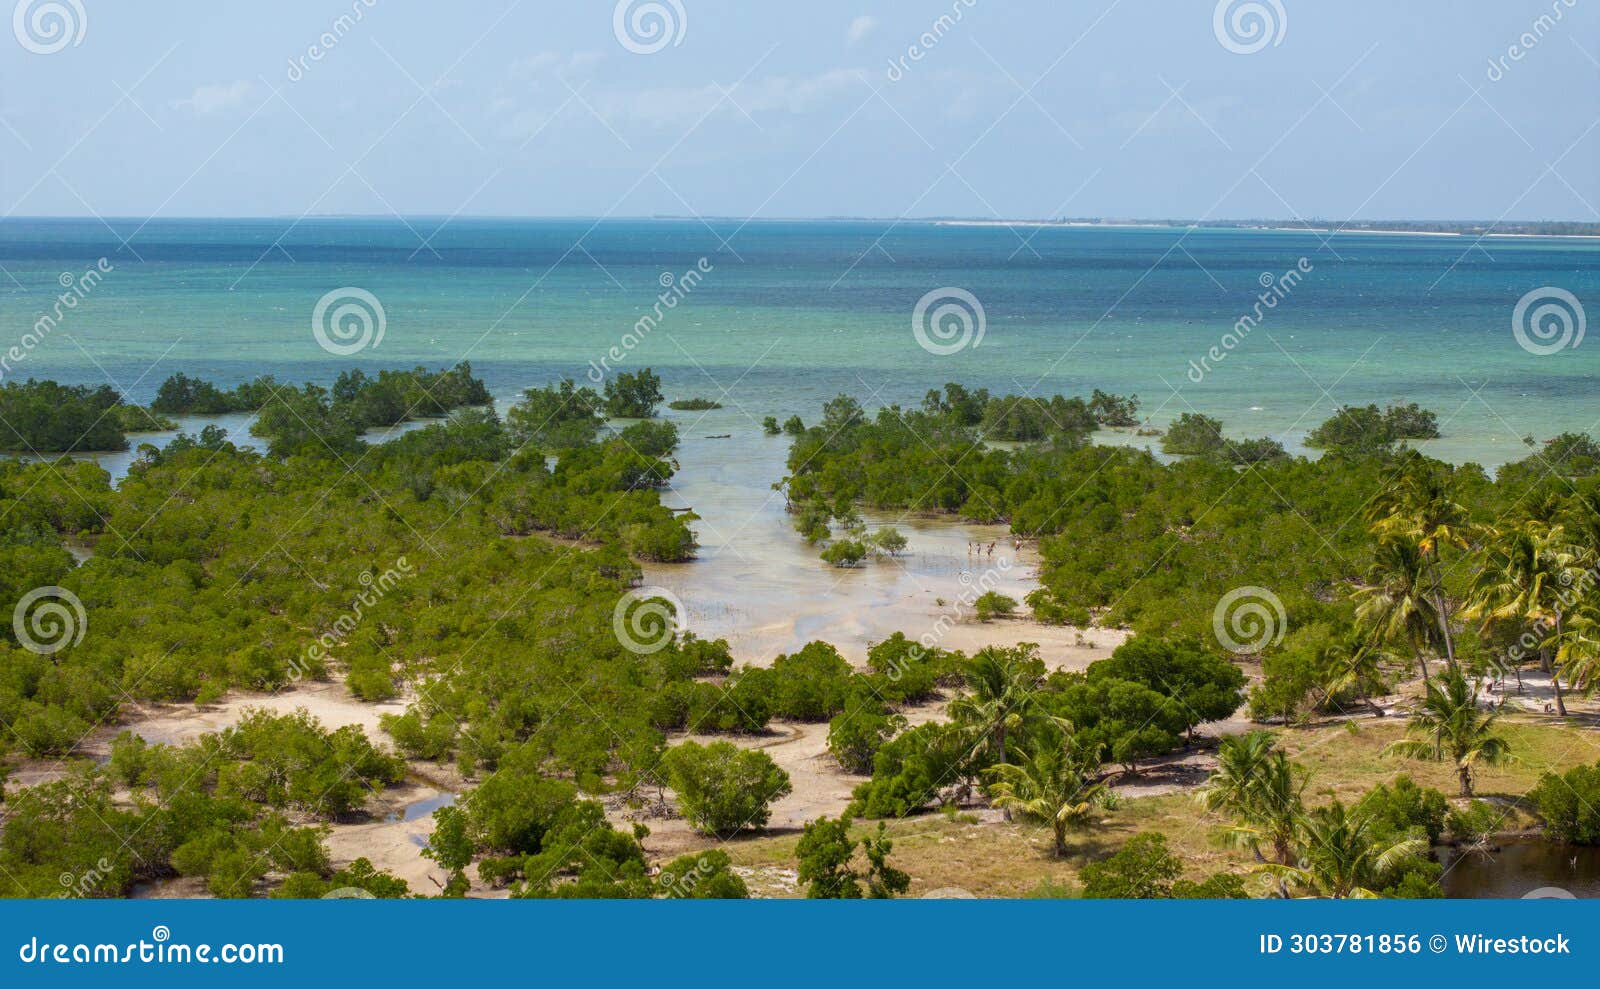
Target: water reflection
1523	868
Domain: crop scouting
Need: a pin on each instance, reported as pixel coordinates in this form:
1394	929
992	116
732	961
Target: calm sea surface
788	314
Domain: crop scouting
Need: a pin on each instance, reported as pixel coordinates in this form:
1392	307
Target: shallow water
419	809
1529	869
235	428
808	309
759	585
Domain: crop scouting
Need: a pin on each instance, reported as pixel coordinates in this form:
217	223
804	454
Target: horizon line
1103	220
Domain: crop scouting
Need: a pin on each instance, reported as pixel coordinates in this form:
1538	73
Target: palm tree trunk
1555	674
1444	619
1465	773
1000	753
1444	629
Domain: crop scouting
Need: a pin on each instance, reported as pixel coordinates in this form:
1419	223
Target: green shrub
1570	805
723	789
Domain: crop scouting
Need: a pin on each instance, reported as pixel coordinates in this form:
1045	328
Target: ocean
775	317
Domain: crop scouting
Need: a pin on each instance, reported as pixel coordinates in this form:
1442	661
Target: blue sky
1135	108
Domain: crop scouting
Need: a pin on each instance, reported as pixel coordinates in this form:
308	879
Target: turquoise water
790	313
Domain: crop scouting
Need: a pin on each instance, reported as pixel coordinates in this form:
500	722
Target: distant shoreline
1153	225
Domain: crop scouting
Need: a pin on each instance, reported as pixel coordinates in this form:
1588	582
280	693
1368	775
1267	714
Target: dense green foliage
723	789
632	395
827	854
1139	704
557	416
1570	805
1365	429
362	400
694	404
230	807
1143	869
216	568
45	417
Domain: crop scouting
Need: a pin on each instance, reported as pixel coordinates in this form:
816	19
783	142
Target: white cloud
775	94
561	63
860	28
215	98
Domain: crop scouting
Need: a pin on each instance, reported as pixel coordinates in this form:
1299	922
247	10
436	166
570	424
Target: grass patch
1013	860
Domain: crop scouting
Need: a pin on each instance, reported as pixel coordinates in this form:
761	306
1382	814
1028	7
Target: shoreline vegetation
1412	666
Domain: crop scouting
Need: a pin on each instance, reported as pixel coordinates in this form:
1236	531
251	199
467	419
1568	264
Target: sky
1363	109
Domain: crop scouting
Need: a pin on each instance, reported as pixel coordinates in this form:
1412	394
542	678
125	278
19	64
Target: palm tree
1528	577
1355	663
1343	856
1052	783
1000	683
1451	725
1395	603
1577	646
1420	509
1260	789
